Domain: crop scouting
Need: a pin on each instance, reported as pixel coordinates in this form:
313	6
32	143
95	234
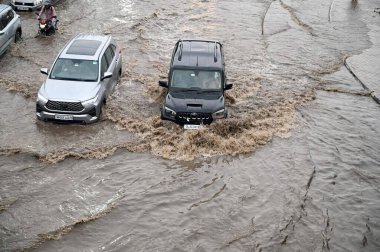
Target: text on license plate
64	117
22	8
192	126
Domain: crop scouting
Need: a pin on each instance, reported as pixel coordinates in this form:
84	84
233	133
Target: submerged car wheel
101	110
18	35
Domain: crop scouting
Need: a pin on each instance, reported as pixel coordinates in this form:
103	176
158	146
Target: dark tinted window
10	15
1	23
113	48
104	65
7	18
109	54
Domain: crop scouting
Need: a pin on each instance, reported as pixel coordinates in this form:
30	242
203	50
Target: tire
101	110
18	35
100	113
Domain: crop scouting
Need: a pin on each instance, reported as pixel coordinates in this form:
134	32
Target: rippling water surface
294	168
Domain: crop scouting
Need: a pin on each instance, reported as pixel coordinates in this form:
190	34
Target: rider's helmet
47	3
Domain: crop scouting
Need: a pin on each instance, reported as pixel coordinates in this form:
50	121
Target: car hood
195	102
64	90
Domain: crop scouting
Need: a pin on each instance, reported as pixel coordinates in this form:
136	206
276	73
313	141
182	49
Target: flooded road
294	168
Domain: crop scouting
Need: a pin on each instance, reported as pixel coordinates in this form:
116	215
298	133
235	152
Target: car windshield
76	70
196	79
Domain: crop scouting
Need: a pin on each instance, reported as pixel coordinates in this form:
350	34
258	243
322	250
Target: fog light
169	112
219	114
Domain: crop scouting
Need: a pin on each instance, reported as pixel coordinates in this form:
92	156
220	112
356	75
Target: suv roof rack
180	49
198	53
215	48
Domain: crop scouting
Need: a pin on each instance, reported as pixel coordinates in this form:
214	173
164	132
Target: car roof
85	46
198	54
3	7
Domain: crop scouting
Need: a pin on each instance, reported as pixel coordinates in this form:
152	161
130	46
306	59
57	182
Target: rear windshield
76	70
199	79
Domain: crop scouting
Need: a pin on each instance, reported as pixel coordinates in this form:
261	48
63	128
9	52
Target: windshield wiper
189	89
211	90
72	79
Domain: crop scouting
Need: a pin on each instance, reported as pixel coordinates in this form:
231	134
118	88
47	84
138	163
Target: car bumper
188	118
49	116
25	7
89	114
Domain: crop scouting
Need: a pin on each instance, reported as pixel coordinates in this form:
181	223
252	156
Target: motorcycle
45	26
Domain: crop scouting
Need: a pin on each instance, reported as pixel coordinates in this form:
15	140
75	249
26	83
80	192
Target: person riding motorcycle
48	12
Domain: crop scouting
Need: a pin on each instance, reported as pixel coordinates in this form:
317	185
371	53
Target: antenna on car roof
215	48
180	50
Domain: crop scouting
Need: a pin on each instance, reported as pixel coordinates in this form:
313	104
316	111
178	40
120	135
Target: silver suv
10	27
29	5
83	75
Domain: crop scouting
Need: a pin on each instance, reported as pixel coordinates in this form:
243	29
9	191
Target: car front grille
194	118
64	106
25	4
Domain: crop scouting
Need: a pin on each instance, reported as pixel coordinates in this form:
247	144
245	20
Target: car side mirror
228	86
2	33
163	83
107	75
44	71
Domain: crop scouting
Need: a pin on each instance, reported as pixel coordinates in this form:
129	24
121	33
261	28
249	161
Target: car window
196	79
109	55
7	18
104	65
74	69
113	48
10	15
1	23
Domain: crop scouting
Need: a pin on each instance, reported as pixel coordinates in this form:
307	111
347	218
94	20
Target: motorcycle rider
49	11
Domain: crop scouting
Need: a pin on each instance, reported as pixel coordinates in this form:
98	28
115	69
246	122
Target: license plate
192	126
64	117
22	8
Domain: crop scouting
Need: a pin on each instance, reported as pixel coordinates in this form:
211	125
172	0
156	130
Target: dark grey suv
196	83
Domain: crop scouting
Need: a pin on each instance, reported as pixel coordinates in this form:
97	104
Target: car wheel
100	113
118	76
18	35
101	110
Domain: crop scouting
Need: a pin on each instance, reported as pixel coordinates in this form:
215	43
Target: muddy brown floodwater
296	166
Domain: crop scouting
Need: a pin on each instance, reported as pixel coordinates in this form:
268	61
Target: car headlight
37	2
169	112
219	114
90	101
41	98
